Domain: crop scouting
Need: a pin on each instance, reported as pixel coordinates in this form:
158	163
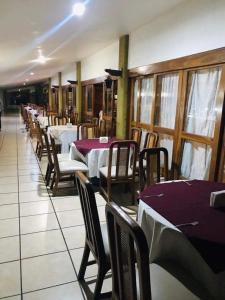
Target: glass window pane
135	100
166	100
195	160
201	104
166	141
146	100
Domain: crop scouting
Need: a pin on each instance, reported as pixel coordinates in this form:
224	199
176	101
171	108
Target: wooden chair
32	126
60	120
129	254
95	121
153	164
41	148
151	140
124	154
136	135
96	240
89	131
51	115
74	118
64	170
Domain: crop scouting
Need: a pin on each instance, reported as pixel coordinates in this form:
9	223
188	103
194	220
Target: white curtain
167	142
201	113
196	160
168	101
146	100
135	100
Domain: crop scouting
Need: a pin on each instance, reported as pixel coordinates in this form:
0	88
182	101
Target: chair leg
99	282
47	172
53	181
55	185
84	262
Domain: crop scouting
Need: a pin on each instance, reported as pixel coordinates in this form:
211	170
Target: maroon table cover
183	203
85	146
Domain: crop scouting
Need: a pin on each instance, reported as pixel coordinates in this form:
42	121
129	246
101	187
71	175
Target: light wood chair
58	120
89	131
136	134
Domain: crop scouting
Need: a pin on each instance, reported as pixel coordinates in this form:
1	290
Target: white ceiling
26	25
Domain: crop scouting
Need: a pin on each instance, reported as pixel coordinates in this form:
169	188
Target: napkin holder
217	199
103	139
69	125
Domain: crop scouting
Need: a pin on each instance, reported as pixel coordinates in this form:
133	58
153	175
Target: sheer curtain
200	119
196	160
167	142
146	100
135	100
201	113
168	101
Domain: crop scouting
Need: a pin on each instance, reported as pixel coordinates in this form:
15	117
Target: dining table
93	153
181	226
64	135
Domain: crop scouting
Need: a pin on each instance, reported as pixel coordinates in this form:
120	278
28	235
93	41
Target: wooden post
79	91
60	104
122	109
50	93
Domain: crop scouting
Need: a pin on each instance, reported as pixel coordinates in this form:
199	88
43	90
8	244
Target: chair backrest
91	218
95	121
151	140
89	131
129	256
153	165
136	135
60	120
49	153
107	127
74	118
39	133
54	153
123	155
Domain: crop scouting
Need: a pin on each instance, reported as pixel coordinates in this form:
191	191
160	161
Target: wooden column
60	97
122	109
78	91
50	93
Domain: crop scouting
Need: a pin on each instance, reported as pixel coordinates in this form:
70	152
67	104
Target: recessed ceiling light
24	83
31	73
27	79
79	9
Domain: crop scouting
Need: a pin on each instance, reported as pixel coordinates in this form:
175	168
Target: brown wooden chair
153	166
64	170
41	147
89	131
136	135
129	254
95	121
151	140
32	126
74	118
121	168
58	120
51	115
96	240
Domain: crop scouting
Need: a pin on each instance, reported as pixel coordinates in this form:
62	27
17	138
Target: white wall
94	65
69	73
55	80
193	26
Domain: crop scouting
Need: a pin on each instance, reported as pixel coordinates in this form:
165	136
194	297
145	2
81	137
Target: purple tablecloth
183	203
85	146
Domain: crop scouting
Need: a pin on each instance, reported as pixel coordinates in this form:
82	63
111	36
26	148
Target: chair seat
70	166
104	171
63	156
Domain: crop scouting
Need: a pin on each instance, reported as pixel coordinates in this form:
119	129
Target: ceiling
26	25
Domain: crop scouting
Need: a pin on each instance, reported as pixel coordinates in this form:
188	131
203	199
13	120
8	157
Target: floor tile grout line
82	292
20	249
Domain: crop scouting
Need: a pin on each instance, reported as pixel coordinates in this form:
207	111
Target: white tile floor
41	237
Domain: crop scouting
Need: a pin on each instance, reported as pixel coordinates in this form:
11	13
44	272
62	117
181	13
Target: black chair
129	256
153	166
96	240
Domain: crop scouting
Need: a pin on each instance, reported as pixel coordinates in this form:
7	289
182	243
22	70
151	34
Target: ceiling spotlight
31	73
24	83
79	9
27	80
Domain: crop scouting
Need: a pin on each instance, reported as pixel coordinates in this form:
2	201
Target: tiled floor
41	237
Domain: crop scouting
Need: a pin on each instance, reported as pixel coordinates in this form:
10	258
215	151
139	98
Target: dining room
112	150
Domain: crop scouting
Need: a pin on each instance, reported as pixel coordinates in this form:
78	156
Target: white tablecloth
43	121
95	159
169	244
63	135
